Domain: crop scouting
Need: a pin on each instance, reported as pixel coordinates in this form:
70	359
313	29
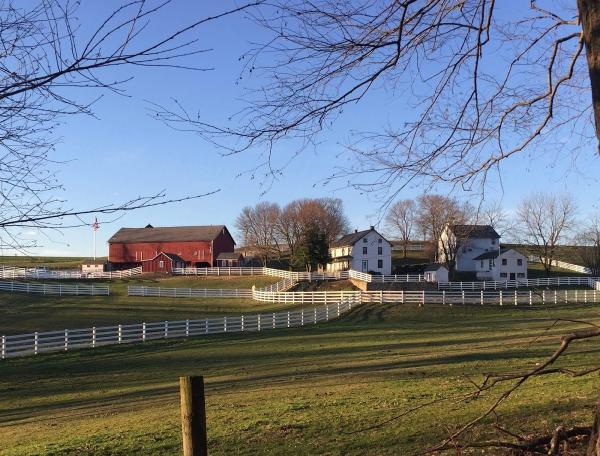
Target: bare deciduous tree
258	226
544	221
401	220
52	66
492	213
588	240
476	81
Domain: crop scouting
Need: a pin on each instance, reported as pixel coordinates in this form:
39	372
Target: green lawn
536	271
299	391
50	262
22	313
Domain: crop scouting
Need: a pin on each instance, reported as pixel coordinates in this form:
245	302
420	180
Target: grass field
299	391
22	313
50	262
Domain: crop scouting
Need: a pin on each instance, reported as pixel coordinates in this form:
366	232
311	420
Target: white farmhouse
366	251
476	248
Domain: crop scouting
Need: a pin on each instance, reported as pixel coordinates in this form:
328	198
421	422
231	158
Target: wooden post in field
193	416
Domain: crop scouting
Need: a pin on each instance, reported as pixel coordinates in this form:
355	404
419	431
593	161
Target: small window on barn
161	264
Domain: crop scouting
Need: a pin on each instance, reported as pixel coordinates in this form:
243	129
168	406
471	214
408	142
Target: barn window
161	264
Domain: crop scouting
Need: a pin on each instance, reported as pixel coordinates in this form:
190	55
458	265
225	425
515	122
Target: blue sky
124	152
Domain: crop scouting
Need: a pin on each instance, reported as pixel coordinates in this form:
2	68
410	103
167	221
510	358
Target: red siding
154	265
194	253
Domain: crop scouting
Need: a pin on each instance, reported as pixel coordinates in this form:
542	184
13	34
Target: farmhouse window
364	240
364	250
491	264
481	264
520	274
379	250
379	264
520	262
504	261
503	274
380	240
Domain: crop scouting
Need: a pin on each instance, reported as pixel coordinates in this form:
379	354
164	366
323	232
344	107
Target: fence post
94	337
463	297
315	309
302	317
166	329
288	319
530	298
273	319
120	333
193	416
543	297
242	323
258	322
206	326
3	347
66	339
501	297
555	297
516	298
444	297
338	309
481	298
35	343
225	323
187	328
144	331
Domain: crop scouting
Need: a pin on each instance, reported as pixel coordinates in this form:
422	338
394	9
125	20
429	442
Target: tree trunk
594	445
589	15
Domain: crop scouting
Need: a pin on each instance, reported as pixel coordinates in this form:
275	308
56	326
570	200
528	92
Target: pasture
23	313
300	391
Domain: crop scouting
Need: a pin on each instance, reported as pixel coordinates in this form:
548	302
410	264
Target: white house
436	272
476	248
366	251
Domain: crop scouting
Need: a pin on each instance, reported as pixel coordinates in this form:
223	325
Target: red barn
192	246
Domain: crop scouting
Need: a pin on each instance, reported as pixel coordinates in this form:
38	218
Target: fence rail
53	341
161	292
10	272
55	289
525	283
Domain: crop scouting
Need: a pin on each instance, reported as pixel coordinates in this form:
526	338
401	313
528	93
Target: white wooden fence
55	289
161	292
564	265
525	283
10	272
53	341
299	276
482	297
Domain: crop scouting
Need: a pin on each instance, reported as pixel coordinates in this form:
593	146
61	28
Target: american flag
95	225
